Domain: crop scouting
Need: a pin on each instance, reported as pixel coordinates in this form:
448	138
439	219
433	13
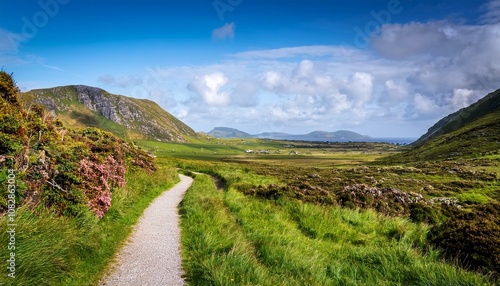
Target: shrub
472	237
100	177
421	212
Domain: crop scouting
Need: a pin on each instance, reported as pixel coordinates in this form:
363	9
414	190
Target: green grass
54	250
232	239
234	150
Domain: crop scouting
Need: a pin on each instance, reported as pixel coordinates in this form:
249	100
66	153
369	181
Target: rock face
95	100
91	106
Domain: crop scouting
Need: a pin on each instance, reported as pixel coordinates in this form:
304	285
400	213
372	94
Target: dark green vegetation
128	118
71	196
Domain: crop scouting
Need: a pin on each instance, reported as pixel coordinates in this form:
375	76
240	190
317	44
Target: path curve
151	255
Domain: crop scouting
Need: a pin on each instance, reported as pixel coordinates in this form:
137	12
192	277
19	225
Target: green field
287	219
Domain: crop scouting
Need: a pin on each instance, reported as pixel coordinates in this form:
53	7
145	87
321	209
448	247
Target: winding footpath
151	255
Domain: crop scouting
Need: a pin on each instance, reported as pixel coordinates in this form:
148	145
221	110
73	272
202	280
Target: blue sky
384	68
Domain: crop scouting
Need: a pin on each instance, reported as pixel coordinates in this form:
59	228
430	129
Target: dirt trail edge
151	255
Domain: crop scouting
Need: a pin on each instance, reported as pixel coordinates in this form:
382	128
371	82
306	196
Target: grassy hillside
479	138
128	118
488	104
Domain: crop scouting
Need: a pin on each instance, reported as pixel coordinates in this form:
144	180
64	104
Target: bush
473	238
420	212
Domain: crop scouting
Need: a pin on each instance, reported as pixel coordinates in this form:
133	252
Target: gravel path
151	255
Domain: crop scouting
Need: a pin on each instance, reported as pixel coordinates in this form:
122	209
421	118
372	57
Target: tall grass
232	239
54	250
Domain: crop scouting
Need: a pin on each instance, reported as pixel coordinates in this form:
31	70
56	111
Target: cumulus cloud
244	94
226	31
360	87
394	91
208	87
444	55
463	97
424	104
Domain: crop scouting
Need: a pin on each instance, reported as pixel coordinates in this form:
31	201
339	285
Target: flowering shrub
99	179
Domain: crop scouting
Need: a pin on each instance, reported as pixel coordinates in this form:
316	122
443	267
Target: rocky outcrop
95	100
87	104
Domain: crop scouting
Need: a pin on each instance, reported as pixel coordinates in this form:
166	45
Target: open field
273	151
331	215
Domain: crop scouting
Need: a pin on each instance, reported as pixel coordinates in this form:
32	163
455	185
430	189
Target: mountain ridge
127	117
227	132
456	120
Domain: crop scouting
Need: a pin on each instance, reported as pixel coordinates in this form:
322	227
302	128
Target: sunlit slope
129	118
478	138
488	104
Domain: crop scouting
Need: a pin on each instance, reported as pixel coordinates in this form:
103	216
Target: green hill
454	121
471	132
126	117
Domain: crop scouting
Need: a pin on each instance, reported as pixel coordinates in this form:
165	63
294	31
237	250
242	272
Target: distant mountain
226	132
126	117
272	135
342	135
471	132
337	135
454	121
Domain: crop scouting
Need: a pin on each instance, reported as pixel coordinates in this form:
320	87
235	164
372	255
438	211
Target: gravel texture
151	255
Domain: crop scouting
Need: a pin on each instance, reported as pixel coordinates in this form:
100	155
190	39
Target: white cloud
226	31
182	113
463	97
492	12
444	55
424	104
244	94
394	91
208	88
360	87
